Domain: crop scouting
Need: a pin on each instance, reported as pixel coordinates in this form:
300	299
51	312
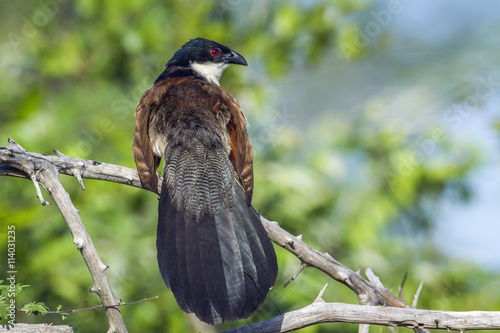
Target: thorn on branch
374	279
58	153
320	295
76	172
417	295
37	188
400	288
95	289
347	280
14	146
79	243
301	268
78	175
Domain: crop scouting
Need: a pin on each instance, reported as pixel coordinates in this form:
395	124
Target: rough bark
42	169
35	328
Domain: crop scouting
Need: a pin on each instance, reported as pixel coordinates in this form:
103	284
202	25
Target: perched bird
213	251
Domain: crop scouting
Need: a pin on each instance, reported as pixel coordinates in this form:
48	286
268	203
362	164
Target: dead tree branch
35	328
368	293
321	312
43	169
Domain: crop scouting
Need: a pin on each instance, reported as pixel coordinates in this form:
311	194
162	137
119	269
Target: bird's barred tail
219	266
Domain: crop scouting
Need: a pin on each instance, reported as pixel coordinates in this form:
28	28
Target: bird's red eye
214	52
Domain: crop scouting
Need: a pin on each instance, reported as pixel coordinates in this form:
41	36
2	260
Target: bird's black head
201	50
208	59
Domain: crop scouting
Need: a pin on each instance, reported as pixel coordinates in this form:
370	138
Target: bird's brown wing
241	154
145	161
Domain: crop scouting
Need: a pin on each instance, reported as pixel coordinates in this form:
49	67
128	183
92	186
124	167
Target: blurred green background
375	128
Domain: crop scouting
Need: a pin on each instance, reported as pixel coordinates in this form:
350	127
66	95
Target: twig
96	307
301	268
400	288
39	195
417	295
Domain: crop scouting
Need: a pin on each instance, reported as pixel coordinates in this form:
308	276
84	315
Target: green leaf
35	308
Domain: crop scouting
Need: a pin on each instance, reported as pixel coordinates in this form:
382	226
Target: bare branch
47	174
35	328
319	312
14	157
18	163
367	292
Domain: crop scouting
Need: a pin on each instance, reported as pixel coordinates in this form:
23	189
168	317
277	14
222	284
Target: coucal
213	251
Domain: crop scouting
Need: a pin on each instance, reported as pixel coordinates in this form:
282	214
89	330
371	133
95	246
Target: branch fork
44	170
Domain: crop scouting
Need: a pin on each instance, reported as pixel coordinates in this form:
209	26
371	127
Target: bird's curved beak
235	58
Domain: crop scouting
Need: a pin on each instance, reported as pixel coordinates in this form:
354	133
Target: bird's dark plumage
213	252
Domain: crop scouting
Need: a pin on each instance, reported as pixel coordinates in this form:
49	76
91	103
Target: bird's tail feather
219	266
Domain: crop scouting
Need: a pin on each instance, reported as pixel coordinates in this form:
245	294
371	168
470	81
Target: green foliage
350	181
10	292
35	308
7	293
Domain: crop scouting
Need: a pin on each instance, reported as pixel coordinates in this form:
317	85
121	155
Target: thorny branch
321	312
42	169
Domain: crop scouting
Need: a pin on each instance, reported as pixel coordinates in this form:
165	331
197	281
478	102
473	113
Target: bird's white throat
210	71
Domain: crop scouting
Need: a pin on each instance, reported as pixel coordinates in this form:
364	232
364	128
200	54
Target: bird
213	252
